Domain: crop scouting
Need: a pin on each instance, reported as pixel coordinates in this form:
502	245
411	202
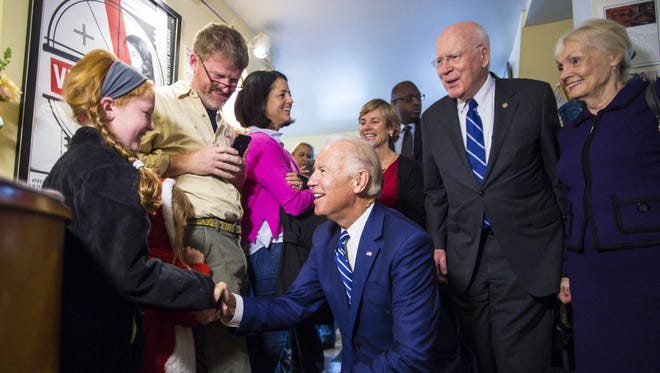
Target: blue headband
120	79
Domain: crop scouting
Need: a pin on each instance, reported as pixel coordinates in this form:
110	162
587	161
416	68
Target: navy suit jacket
392	324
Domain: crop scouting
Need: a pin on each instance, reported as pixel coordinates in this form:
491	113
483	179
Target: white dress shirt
354	233
485	98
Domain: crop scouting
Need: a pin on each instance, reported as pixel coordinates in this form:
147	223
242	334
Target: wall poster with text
639	18
142	33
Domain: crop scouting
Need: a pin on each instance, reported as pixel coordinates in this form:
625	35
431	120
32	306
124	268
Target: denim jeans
328	334
263	268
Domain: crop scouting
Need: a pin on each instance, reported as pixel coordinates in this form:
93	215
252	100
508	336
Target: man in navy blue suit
389	318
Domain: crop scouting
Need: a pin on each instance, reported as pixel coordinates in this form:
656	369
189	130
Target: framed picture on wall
143	33
639	17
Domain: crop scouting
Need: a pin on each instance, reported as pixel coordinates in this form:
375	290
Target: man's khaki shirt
182	125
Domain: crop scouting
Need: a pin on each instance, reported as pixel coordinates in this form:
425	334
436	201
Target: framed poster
639	17
143	33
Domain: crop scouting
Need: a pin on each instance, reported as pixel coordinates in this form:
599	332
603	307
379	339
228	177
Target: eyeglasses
452	59
408	99
233	83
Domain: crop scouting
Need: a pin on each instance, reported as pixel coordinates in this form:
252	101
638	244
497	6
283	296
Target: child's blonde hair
181	211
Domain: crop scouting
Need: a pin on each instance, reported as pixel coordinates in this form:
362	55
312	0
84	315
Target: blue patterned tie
475	146
476	149
341	257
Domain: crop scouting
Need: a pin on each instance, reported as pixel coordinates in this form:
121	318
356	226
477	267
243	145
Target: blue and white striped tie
475	146
476	149
341	257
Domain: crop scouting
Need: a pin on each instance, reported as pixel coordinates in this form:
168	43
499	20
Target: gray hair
361	157
607	36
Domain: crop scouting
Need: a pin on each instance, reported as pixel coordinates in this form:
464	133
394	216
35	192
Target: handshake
225	306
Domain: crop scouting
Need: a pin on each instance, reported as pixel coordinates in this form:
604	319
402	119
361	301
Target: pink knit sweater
266	189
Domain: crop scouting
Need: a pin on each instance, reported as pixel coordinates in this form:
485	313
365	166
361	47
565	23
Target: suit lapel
368	250
417	141
456	139
338	294
504	114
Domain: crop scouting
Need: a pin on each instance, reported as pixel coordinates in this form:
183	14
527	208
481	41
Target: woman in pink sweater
263	106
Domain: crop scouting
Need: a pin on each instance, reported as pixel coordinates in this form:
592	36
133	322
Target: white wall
581	11
317	141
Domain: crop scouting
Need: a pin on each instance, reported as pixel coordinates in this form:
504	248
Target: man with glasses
408	103
493	203
192	143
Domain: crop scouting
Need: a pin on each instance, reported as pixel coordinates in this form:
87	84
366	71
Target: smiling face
333	186
214	79
302	154
374	128
587	74
129	122
466	58
278	104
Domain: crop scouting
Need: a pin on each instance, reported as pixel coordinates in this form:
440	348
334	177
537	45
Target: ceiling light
261	45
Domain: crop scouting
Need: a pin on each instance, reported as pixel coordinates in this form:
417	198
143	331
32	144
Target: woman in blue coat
610	166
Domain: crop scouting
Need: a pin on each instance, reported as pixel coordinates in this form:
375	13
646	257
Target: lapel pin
505	105
369	253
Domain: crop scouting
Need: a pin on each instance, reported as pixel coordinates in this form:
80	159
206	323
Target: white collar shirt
398	144
485	98
355	234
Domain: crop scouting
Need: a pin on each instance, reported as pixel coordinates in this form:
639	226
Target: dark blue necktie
476	149
475	145
341	257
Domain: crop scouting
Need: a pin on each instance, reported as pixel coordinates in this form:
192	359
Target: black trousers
507	329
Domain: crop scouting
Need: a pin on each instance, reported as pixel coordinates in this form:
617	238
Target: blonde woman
403	190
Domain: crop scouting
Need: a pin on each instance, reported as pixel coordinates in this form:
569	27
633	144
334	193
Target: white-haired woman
610	165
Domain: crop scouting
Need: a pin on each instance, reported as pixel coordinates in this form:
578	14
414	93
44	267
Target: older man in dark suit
492	202
372	265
